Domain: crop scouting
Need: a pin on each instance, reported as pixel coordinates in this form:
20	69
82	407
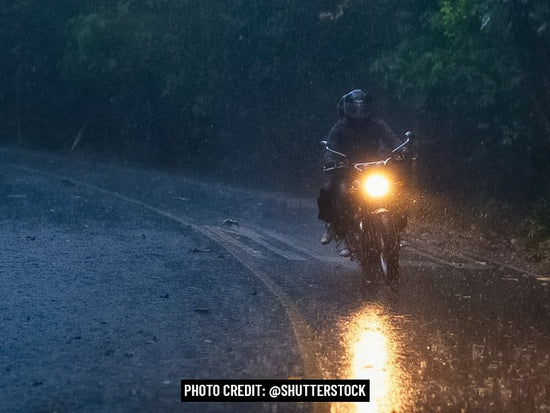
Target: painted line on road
221	235
301	328
258	239
297	247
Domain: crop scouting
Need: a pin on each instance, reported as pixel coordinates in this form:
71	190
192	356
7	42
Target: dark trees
251	87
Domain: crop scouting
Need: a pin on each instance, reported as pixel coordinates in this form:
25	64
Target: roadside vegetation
247	89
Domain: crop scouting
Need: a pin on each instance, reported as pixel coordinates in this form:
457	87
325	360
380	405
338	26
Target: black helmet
355	105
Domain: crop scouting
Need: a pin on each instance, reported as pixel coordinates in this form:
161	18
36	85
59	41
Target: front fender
380	211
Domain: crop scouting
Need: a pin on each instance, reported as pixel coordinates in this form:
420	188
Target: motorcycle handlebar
361	165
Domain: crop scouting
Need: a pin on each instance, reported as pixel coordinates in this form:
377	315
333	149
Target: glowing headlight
377	186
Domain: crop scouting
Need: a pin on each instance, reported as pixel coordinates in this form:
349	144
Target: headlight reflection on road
371	354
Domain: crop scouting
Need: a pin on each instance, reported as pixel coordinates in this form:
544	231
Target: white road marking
220	235
258	239
285	240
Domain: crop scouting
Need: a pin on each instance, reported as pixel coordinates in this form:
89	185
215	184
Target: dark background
244	90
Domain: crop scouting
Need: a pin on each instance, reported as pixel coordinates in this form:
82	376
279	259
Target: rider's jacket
362	140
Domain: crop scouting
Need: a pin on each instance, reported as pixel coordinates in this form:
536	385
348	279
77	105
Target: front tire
389	250
379	250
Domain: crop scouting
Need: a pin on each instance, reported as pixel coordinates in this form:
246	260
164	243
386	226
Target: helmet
355	105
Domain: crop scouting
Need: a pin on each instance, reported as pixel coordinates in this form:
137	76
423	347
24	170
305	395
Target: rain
160	168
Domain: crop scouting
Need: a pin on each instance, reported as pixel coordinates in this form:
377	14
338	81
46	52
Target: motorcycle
372	214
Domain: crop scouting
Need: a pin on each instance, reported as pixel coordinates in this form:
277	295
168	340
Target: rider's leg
328	211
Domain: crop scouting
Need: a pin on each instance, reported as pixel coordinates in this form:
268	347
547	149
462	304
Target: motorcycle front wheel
389	258
380	249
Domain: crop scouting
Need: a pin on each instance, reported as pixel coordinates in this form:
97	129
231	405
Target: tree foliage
464	71
251	86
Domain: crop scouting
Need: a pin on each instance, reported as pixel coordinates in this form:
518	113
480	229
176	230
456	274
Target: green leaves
166	80
465	67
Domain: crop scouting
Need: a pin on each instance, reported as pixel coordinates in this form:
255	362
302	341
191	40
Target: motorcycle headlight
377	186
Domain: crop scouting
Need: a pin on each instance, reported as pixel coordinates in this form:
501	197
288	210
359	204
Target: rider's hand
403	153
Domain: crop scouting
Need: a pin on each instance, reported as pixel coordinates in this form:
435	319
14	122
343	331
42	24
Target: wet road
117	283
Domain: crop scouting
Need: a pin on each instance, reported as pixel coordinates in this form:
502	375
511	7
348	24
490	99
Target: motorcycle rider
362	138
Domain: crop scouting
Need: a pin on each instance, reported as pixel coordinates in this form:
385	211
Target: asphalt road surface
117	283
